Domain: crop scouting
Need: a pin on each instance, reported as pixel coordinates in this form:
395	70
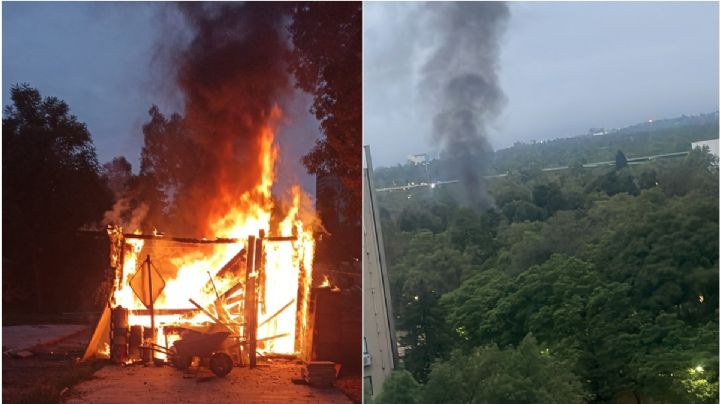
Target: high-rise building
380	354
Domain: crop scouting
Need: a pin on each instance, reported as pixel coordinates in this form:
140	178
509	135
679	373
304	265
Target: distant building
418	159
711	144
380	353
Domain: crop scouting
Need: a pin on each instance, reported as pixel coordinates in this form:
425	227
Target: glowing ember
105	350
326	282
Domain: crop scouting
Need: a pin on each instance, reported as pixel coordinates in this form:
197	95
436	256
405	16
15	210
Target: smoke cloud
232	75
124	214
460	82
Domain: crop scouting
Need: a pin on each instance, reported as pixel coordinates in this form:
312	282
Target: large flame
287	264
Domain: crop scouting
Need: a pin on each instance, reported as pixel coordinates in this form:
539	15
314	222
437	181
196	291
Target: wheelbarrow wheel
182	362
221	364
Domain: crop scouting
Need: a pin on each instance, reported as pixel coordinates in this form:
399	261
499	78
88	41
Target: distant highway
419	185
632	161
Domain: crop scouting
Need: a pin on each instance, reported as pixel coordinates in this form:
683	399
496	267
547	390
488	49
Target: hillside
643	139
599	280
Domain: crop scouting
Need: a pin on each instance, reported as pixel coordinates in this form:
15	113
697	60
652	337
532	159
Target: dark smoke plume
460	80
232	73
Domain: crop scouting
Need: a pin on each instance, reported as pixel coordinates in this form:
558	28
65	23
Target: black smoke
460	81
231	71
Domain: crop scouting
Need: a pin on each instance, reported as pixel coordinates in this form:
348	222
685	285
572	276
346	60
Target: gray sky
96	57
101	58
564	68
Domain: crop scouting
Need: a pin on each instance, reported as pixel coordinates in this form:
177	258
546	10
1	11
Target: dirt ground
268	383
20	376
42	377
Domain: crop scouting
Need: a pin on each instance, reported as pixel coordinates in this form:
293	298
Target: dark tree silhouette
620	160
51	187
326	61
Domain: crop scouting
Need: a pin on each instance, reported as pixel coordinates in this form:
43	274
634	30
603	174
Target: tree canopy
52	186
326	61
613	271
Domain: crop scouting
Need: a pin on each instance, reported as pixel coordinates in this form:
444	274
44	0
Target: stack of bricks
320	373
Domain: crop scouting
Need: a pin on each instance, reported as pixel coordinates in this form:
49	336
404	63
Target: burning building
253	280
247	275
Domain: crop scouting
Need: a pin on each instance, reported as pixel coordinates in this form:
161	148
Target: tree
615	182
697	172
51	187
429	269
549	196
326	61
646	356
469	308
648	179
508	189
523	211
399	388
171	163
422	215
620	160
603	330
618	285
468	228
525	374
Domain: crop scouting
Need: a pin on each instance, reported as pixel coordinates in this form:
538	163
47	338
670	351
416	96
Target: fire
287	264
105	350
326	282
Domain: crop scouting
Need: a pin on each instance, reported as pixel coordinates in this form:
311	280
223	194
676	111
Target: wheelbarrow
208	347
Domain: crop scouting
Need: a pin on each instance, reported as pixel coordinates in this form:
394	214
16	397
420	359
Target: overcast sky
102	59
96	57
564	68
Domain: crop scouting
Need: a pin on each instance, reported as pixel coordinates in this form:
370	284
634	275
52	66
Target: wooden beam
273	337
234	299
267	320
251	303
186	240
233	262
189	240
280	238
164	312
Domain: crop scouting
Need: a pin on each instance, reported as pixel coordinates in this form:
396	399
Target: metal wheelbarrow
208	347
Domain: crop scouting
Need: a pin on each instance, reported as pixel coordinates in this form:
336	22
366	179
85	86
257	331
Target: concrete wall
380	354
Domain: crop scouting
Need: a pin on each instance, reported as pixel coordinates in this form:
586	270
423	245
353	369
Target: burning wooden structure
256	288
253	281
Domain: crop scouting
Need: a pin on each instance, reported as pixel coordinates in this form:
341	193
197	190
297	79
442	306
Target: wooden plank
164	312
267	320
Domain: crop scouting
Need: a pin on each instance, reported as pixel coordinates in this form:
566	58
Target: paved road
19	337
631	161
269	383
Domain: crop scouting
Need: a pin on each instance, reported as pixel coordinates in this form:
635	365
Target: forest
583	285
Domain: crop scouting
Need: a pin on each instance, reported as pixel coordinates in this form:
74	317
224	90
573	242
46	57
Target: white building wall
712	144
